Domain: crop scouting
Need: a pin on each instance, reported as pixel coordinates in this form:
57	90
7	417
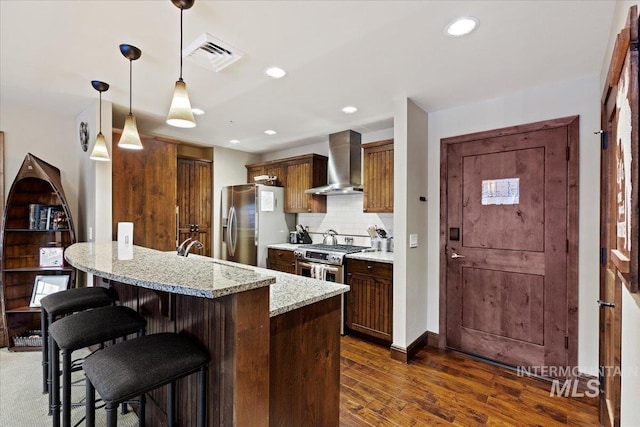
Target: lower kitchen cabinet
370	301
281	260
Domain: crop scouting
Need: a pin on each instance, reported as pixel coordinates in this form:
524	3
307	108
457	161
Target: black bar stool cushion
95	326
131	368
77	299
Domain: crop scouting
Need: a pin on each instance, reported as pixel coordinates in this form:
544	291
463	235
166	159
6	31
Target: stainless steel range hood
343	170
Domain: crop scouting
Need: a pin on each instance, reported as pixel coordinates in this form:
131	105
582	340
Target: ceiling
336	53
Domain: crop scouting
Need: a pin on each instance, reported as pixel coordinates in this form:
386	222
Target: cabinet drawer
370	267
281	255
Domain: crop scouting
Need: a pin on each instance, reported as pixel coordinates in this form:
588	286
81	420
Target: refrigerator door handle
233	230
230	248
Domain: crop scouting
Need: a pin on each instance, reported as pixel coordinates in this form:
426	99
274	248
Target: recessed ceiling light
349	109
234	141
197	111
275	72
270	132
462	26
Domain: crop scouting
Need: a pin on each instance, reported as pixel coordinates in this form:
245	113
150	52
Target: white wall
630	384
51	137
410	290
228	169
577	97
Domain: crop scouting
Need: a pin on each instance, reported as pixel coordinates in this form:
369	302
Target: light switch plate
413	240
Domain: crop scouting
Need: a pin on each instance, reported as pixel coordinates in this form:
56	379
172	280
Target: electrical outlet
413	240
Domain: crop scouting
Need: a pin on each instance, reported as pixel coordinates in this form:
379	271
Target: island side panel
305	366
234	329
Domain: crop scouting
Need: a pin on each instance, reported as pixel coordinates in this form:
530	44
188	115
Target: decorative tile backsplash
345	215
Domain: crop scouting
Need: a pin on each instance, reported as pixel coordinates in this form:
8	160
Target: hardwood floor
444	388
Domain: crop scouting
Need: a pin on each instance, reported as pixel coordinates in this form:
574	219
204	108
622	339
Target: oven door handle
327	267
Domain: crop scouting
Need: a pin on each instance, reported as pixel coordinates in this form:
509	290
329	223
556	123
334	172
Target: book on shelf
47	217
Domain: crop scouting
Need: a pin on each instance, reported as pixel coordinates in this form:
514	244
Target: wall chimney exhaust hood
343	170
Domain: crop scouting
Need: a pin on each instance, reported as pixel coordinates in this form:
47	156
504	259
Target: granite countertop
290	291
386	257
165	271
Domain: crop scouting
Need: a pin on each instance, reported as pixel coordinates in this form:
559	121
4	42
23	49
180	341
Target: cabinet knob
309	210
364	209
369	267
279	253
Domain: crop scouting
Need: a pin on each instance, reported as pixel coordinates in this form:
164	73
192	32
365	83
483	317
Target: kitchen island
273	338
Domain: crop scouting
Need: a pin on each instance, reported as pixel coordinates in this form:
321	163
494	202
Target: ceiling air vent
211	52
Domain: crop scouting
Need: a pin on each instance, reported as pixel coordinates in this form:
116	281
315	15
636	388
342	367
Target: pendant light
100	151
130	138
180	114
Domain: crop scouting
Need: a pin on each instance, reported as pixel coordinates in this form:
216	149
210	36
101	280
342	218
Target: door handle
456	256
605	304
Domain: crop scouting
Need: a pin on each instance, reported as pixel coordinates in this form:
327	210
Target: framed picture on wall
46	285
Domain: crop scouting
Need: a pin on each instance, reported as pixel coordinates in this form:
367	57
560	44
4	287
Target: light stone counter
386	257
285	246
290	291
164	271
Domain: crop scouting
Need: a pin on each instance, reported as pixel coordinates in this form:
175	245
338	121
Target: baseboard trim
405	355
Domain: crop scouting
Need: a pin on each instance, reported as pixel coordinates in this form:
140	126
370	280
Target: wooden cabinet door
370	300
378	177
281	260
194	202
302	174
253	171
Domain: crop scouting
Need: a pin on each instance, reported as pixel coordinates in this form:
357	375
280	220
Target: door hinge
568	153
603	256
566	342
603	141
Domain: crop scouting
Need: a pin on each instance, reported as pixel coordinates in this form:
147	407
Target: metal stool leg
54	393
90	404
66	388
141	411
202	397
44	327
50	363
112	414
171	404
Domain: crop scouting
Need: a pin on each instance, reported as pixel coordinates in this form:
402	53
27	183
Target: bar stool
64	303
80	330
133	368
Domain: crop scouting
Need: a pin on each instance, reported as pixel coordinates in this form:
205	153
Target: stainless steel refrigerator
252	217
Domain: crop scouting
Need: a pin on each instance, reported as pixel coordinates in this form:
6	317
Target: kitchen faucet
184	248
191	244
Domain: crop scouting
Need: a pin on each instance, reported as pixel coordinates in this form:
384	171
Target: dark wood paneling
144	192
194	186
304	372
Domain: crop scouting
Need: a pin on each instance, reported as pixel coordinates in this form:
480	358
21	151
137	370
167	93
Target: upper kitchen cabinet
194	202
144	192
273	168
378	176
302	173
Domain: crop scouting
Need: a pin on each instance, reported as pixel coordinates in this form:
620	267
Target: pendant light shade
100	151
180	114
130	139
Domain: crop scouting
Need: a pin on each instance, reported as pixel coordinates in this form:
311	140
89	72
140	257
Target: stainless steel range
324	262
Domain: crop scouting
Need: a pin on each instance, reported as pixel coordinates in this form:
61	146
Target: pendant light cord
181	9
100	112
130	86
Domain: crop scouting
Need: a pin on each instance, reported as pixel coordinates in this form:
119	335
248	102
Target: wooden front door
618	209
509	242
